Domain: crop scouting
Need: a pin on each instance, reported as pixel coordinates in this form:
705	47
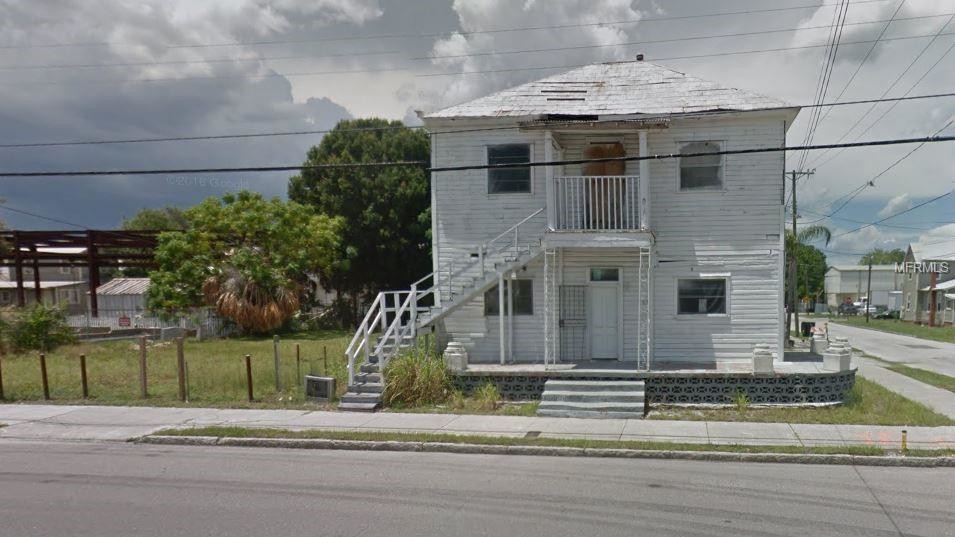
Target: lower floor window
523	298
701	296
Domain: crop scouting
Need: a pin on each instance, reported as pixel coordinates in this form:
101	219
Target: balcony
603	210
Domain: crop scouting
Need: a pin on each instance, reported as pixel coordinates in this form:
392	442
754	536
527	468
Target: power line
450	56
895	226
446	33
41	217
400	127
910	209
866	57
896	81
825	76
365	165
427	75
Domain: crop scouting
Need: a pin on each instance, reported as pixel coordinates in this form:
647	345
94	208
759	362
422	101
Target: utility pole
793	292
868	292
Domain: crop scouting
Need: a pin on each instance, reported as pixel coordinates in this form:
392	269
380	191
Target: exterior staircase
394	318
593	399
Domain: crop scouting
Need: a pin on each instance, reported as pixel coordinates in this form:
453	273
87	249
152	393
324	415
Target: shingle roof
934	251
616	88
124	286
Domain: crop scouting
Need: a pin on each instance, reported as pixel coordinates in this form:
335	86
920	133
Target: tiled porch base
791	384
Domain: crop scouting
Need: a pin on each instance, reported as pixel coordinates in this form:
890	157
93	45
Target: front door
604	314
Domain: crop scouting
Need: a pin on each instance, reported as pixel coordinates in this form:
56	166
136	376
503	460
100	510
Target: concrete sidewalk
57	422
939	400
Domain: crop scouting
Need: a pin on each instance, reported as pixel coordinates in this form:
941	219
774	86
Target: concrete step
589	414
575	396
370	368
353	397
368	377
366	387
598	407
359	407
594	385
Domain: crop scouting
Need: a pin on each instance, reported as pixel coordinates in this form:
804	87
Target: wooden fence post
1	378
181	368
83	382
142	367
298	363
43	377
325	359
248	375
275	351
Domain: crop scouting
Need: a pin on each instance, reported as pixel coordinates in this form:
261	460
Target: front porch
797	380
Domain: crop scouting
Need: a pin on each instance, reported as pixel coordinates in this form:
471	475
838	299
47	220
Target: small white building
849	283
122	296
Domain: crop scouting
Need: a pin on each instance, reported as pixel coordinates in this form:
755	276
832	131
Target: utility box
319	389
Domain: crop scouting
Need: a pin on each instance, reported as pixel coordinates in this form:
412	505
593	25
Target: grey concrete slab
402	421
55	431
725	432
10	412
923	353
491	424
580	426
326	419
660	429
127	415
238	416
939	400
811	434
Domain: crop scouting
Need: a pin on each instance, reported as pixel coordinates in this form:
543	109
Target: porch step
370	367
366	387
360	402
593	399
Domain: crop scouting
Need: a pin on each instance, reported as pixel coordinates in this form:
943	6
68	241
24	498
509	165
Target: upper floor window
703	172
508	180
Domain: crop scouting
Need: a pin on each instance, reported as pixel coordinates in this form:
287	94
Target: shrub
741	400
416	377
38	327
487	397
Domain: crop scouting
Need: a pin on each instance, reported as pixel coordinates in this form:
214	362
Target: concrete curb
546	451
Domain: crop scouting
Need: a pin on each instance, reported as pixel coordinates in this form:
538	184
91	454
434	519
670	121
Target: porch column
500	311
18	258
510	319
549	180
644	183
37	291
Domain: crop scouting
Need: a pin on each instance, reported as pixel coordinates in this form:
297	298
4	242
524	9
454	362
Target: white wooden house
645	263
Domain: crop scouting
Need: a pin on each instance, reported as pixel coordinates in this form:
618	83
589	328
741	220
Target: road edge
546	451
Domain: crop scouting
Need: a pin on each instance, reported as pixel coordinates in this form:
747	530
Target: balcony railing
596	203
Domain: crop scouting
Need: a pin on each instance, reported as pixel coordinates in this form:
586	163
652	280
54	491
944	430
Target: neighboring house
61	285
929	283
122	296
653	262
67	294
849	283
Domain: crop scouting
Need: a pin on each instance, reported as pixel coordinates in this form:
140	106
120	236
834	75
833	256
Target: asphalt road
923	353
110	489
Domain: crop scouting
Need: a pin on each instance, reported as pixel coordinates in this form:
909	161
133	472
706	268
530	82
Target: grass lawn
945	334
243	432
868	403
471	405
216	371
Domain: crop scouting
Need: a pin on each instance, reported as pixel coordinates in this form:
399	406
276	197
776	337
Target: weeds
741	400
416	377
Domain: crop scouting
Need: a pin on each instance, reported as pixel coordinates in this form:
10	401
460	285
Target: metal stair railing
408	303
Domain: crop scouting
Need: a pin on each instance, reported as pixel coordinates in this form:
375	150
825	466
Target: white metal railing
394	314
596	203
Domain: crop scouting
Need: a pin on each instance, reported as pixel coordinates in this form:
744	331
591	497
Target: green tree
878	256
247	256
37	327
163	219
386	237
803	237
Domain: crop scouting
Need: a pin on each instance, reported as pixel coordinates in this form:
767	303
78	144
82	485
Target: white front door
604	320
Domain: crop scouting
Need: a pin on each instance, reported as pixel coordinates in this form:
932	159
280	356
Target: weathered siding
734	231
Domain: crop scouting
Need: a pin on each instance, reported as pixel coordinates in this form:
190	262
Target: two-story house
641	261
928	286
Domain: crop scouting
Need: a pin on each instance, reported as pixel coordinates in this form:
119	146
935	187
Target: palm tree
802	237
254	307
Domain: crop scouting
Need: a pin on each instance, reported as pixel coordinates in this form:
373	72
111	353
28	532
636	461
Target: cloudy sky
120	69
